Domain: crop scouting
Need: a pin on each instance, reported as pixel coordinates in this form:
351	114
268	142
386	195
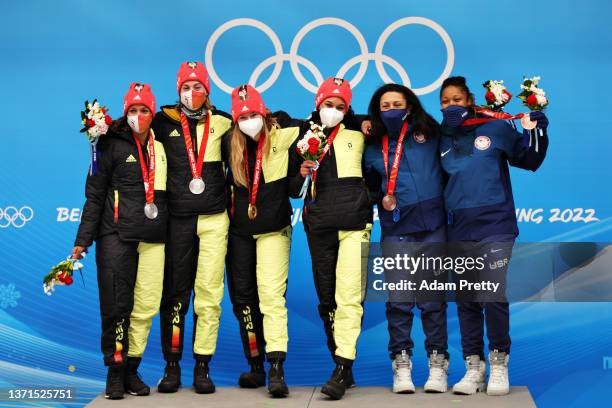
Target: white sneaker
438	373
498	374
402	374
474	378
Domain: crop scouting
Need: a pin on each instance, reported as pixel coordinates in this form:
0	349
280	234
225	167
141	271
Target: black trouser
195	255
241	262
340	283
117	264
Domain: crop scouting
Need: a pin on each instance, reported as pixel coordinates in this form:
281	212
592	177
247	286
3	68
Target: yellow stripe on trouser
147	295
208	287
272	271
350	291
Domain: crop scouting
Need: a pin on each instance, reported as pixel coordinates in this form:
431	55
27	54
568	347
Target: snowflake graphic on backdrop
8	296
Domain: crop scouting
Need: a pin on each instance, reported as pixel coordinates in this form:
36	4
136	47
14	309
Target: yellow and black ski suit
338	223
197	234
258	250
129	246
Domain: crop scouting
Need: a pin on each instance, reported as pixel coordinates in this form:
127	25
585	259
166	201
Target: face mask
454	115
251	127
193	99
393	119
139	123
330	117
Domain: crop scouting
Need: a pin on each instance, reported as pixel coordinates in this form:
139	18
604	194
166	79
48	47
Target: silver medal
151	211
197	186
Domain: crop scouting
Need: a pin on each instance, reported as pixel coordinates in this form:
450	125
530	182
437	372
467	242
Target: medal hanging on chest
148	176
252	210
196	185
389	201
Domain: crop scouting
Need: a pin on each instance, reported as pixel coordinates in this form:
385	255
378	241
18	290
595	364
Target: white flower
542	101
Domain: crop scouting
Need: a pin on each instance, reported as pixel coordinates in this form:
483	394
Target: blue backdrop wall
56	54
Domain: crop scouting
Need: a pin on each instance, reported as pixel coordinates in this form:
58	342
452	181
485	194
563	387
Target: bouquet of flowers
532	96
61	275
95	121
310	147
497	95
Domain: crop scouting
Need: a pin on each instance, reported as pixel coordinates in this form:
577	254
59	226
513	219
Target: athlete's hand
540	117
77	252
306	167
366	127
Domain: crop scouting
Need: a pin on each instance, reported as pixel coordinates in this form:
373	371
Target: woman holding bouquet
338	219
259	235
402	165
191	132
475	153
126	213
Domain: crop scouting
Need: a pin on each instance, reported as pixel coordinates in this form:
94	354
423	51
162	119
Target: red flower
506	96
313	149
62	276
90	123
108	120
532	100
103	110
68	280
313	141
490	97
298	151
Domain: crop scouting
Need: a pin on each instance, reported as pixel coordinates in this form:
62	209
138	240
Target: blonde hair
237	146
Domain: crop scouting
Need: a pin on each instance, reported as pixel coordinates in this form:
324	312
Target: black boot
132	381
340	380
276	379
255	378
114	383
172	378
202	382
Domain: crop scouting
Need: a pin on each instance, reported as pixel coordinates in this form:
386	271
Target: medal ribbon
492	116
330	141
148	175
391	180
256	170
196	167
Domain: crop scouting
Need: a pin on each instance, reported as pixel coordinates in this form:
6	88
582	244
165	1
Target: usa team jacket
478	195
419	186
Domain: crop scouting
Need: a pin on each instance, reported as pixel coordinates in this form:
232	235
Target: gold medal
252	212
389	202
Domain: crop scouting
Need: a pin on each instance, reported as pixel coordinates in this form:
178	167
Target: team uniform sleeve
372	178
294	178
526	150
96	191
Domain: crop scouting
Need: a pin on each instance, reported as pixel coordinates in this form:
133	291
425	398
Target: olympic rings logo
11	216
295	60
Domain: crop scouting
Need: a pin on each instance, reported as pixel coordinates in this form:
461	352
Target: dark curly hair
422	121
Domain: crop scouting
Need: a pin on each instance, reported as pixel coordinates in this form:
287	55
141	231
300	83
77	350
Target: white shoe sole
404	390
436	390
497	393
480	388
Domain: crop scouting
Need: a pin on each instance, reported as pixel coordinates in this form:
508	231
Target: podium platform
311	397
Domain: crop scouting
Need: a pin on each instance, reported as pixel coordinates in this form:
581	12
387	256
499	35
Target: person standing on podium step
402	167
126	213
475	152
259	235
192	131
337	218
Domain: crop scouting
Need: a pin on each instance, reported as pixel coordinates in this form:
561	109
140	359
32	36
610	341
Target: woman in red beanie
191	132
337	219
126	213
259	235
